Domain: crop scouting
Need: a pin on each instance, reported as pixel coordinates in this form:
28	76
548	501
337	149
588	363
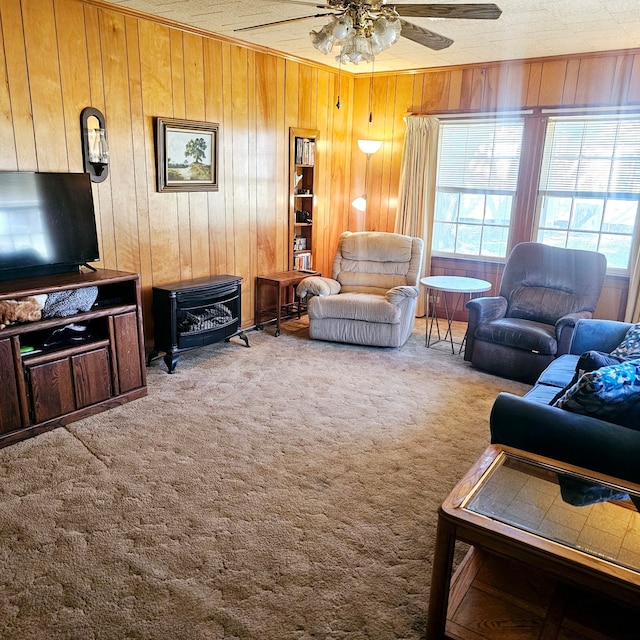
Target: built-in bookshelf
302	198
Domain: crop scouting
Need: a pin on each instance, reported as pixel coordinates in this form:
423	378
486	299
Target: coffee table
541	563
458	286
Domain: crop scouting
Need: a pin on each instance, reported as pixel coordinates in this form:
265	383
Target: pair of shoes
70	334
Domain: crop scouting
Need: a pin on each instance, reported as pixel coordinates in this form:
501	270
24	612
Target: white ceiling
526	29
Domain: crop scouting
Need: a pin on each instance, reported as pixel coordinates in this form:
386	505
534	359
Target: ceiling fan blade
317	5
424	36
480	11
271	24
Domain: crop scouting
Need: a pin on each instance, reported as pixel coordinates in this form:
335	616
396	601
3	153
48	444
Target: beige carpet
286	491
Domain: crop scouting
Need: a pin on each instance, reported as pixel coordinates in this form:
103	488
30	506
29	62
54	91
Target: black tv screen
47	223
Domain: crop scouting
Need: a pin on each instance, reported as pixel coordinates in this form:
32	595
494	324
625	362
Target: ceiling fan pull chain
373	66
339	70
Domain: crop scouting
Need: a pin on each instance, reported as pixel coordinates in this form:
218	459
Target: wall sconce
95	151
369	147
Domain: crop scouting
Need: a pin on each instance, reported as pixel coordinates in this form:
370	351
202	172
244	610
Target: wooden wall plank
435	92
456	89
266	257
552	82
570	83
323	122
375	218
338	148
8	159
239	239
121	166
595	78
227	264
307	108
404	89
633	94
195	109
535	81
250	253
178	90
621	79
281	168
213	90
44	83
157	100
74	75
142	150
101	191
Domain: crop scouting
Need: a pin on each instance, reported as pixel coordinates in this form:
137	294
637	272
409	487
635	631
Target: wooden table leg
441	579
279	303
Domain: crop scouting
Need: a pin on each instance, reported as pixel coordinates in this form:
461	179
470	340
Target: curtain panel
417	187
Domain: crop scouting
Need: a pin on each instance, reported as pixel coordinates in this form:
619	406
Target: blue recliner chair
543	293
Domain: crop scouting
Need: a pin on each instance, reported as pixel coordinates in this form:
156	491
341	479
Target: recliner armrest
564	329
482	310
397	294
486	308
317	286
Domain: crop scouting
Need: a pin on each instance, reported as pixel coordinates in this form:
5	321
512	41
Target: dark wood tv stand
51	387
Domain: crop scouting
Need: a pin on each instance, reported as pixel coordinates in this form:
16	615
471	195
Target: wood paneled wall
59	56
606	79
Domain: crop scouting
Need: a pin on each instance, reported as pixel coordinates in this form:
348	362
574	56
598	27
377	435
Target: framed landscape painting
187	155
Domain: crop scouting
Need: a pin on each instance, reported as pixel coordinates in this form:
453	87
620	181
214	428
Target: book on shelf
302	261
305	151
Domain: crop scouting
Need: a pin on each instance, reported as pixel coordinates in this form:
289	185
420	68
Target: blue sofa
531	424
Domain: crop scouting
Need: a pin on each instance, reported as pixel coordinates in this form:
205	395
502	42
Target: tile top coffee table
555	553
458	286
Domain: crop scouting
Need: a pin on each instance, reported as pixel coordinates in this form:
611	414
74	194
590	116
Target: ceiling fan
363	29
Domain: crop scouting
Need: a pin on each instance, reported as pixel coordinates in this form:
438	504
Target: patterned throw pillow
609	393
630	346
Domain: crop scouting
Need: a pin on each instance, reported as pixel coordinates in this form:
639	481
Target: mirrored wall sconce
95	151
369	147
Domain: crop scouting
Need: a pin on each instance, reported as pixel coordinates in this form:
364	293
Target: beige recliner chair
371	299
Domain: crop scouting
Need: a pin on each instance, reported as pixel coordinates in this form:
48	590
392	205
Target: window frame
495	118
525	215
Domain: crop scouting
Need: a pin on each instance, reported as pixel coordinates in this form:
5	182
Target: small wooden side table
286	304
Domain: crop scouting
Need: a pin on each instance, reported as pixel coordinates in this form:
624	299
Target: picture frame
186	155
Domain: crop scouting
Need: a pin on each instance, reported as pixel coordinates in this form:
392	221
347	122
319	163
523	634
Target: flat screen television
47	223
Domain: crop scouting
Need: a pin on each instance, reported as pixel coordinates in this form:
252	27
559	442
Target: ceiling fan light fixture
356	49
342	28
361	30
324	39
387	31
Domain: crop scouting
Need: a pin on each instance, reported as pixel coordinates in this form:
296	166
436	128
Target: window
580	189
590	186
476	187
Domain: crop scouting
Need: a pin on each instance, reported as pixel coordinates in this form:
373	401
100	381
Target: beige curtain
632	313
416	192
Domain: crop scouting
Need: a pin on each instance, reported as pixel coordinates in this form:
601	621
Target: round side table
458	286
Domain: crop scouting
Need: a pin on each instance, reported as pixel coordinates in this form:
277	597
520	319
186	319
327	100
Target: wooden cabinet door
9	399
127	351
91	377
51	389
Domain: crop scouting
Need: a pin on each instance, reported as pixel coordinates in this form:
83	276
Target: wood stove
195	313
